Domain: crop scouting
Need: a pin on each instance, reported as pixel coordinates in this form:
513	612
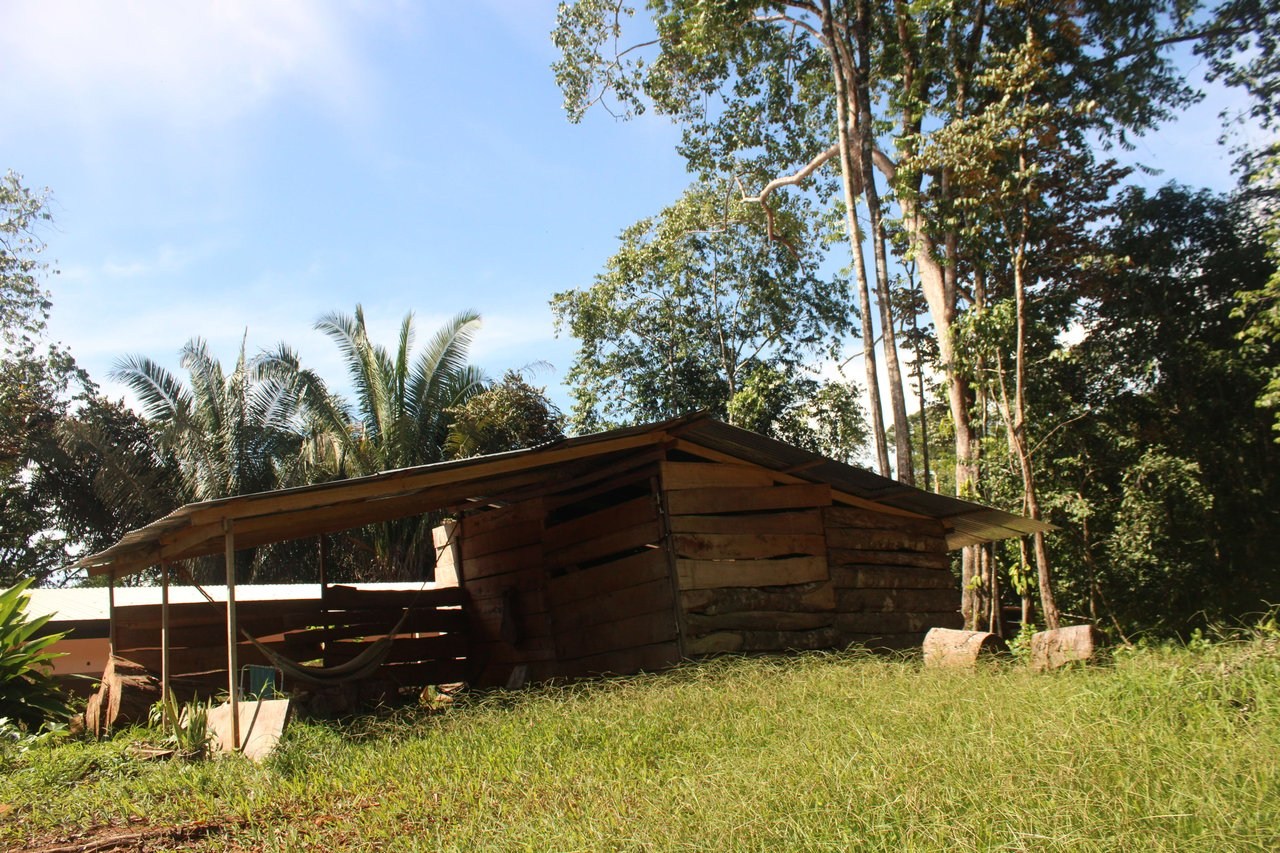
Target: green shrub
29	695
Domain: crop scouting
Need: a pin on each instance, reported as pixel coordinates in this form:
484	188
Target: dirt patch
119	839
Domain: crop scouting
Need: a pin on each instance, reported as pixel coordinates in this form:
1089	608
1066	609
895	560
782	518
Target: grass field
1164	749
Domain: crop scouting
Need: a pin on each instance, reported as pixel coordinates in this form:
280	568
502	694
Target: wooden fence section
750	559
609	583
891	578
430	647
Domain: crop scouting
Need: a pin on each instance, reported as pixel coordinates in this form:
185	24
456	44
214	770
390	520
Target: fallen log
945	647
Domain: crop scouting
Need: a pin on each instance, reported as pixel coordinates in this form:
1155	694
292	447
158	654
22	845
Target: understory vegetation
1163	748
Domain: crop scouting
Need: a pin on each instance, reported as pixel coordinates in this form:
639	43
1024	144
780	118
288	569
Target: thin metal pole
229	538
164	640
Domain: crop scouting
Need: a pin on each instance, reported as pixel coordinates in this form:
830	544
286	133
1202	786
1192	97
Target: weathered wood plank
627	514
405	649
919	559
712	500
758	620
530	581
487	520
517	560
607	577
884	540
900	600
892	577
803	523
818	596
648	597
340	597
623	662
696	475
502	539
896	622
762	641
849	516
607	544
704	574
745	545
640	630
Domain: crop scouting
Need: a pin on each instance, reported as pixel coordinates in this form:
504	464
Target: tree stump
1053	649
947	648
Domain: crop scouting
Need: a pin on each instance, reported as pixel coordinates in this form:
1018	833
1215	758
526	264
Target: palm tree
399	417
230	434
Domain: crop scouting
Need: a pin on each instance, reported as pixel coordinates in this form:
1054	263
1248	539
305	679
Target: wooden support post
325	638
111	614
164	641
229	537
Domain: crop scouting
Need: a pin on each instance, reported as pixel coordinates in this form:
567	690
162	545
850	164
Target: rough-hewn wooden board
884	540
609	542
744	545
623	662
283	613
892	577
517	560
484	521
896	622
205	658
818	596
502	539
804	523
529	581
598	482
490	651
899	600
713	500
708	574
607	577
529	601
590	526
646	598
695	475
762	641
849	516
405	649
640	630
757	620
924	560
349	598
431	672
190	635
427	621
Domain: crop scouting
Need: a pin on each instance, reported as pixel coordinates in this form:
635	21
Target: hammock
360	666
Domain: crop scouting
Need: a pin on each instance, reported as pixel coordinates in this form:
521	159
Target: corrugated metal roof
412	491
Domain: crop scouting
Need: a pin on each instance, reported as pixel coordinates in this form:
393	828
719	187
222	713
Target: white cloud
187	64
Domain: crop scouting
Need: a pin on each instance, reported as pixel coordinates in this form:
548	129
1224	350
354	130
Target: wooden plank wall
891	577
610	590
750	559
499	553
302	630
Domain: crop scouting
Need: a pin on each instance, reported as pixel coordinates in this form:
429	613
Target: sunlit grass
1163	750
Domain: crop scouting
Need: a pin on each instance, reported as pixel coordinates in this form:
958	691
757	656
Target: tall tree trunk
861	90
849	175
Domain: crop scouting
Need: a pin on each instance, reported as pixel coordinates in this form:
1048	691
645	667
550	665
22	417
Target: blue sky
253	164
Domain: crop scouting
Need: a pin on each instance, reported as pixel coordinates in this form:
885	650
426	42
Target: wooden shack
628	550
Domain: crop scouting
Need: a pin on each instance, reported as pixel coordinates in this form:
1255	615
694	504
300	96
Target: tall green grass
1172	749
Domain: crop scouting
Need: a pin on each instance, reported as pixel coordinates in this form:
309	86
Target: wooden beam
229	540
112	637
164	642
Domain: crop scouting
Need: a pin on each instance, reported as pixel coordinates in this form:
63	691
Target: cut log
1052	649
944	647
